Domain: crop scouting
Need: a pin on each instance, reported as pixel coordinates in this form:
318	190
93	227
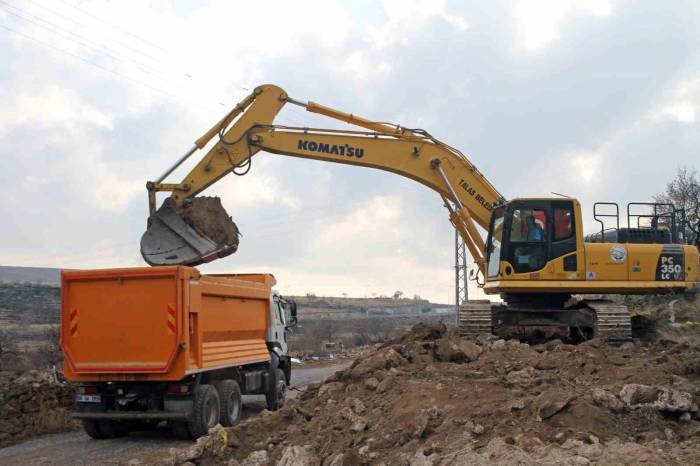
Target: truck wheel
277	392
231	402
205	411
91	428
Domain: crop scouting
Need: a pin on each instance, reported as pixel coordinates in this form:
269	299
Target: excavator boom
174	238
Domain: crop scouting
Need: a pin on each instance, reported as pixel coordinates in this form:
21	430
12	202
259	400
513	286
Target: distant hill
34	275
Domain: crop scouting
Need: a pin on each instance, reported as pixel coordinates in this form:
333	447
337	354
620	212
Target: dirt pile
207	216
669	318
429	398
32	404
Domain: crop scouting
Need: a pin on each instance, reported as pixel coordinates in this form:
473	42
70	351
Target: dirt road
76	448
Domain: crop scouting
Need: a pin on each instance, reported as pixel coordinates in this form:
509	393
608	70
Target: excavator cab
527	234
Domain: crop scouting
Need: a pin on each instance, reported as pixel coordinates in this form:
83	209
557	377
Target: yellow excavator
534	256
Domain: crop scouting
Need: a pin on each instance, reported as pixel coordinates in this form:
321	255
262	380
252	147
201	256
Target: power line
79	39
94	47
74	20
97	65
75	7
178	69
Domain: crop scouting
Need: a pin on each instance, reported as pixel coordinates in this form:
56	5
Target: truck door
278	323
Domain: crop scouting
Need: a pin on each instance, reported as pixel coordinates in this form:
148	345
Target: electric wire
97	65
99	31
126	31
77	38
92	46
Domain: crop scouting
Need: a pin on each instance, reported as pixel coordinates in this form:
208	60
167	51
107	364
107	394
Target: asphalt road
76	448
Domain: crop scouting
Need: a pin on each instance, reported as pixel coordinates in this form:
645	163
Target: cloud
683	112
49	106
539	22
585	165
406	18
256	190
378	215
582	98
680	103
359	64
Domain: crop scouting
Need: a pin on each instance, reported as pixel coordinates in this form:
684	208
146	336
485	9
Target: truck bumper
131	415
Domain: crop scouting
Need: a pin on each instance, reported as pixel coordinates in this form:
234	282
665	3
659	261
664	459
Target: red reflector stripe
73	329
73	313
171	326
171	311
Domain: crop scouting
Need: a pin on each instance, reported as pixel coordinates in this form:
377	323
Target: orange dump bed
160	323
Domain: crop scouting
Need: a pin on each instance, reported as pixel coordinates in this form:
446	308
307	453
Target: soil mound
431	398
666	318
208	217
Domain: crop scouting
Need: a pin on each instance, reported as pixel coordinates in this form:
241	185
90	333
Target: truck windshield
496	239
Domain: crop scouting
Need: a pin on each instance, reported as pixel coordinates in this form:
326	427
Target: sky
595	99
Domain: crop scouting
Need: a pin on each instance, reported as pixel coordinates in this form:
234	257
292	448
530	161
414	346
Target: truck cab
283	316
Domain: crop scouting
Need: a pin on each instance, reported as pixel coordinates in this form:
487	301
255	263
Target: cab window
529	225
563	223
528	239
280	312
495	243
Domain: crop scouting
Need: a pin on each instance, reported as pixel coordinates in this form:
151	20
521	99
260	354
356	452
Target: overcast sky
595	99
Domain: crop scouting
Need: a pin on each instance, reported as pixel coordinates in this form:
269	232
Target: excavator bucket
198	232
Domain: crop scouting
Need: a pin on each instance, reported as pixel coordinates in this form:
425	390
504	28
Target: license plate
89	398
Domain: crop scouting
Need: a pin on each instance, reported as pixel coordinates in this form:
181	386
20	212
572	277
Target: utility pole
461	291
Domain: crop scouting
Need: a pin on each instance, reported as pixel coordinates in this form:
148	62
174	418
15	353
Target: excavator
534	255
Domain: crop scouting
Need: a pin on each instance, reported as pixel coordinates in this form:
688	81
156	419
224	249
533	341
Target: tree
384	328
322	331
684	193
397	294
49	354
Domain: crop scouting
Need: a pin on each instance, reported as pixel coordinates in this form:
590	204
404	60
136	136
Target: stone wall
31	404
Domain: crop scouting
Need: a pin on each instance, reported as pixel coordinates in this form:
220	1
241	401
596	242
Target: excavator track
613	321
475	318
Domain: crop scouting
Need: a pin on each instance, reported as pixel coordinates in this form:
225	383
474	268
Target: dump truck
152	344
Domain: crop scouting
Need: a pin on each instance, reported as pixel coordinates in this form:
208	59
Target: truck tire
277	392
91	428
231	402
205	411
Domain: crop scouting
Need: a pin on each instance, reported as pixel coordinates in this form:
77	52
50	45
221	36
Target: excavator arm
249	128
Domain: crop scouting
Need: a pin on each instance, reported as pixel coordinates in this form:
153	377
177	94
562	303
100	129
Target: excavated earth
207	216
430	398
